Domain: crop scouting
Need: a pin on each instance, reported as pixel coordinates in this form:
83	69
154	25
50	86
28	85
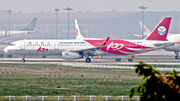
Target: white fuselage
176	39
12	33
173	38
56	47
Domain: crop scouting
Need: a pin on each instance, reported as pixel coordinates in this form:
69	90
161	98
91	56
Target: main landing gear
88	60
177	55
23	60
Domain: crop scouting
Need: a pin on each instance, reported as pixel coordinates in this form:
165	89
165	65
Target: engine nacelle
71	55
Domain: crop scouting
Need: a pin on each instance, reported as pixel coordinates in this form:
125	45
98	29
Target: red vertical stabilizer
161	31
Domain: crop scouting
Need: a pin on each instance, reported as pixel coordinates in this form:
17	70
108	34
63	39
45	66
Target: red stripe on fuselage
117	46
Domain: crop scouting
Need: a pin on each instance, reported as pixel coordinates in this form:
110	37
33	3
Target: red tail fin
161	31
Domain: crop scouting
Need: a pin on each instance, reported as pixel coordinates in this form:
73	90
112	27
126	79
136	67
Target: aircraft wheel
23	60
176	57
88	60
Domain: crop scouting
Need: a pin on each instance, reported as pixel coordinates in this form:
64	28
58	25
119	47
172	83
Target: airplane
175	38
28	29
146	31
82	47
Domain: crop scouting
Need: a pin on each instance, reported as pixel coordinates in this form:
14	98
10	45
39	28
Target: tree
155	87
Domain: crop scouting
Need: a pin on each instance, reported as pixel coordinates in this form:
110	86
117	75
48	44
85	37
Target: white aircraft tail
146	30
78	33
30	26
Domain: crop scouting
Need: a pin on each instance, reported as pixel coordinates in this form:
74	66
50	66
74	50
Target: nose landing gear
23	60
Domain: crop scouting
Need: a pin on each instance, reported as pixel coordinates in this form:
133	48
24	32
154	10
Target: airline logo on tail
76	32
144	29
30	26
161	30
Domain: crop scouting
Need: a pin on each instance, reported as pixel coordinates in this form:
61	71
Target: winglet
78	33
105	42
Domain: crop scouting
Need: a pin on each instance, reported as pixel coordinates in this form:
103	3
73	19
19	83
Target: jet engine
71	55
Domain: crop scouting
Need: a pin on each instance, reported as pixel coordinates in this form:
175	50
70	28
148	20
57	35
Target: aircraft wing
89	50
161	45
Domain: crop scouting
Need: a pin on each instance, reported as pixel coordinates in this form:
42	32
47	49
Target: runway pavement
122	65
93	63
111	61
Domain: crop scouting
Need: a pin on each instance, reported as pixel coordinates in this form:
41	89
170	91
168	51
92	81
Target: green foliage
145	70
155	87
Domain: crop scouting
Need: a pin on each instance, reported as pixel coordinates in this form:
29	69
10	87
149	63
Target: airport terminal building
117	25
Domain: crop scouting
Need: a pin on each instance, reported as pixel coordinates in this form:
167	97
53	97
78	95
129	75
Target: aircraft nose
6	49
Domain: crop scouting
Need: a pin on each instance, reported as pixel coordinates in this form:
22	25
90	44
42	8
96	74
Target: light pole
68	9
143	8
56	10
9	11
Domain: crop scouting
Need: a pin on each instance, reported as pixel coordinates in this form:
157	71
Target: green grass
24	80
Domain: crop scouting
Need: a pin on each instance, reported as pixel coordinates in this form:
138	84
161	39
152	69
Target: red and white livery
85	47
171	37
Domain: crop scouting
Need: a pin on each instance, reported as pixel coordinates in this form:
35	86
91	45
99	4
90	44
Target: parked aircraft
28	29
171	37
82	47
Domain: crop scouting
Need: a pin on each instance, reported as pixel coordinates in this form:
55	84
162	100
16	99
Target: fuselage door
22	45
56	45
143	45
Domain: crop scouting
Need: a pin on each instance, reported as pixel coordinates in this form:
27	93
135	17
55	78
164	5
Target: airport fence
115	66
73	97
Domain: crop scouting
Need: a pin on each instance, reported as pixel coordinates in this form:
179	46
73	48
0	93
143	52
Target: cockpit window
13	44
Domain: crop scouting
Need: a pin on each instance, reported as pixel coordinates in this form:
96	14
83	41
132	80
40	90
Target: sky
34	6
